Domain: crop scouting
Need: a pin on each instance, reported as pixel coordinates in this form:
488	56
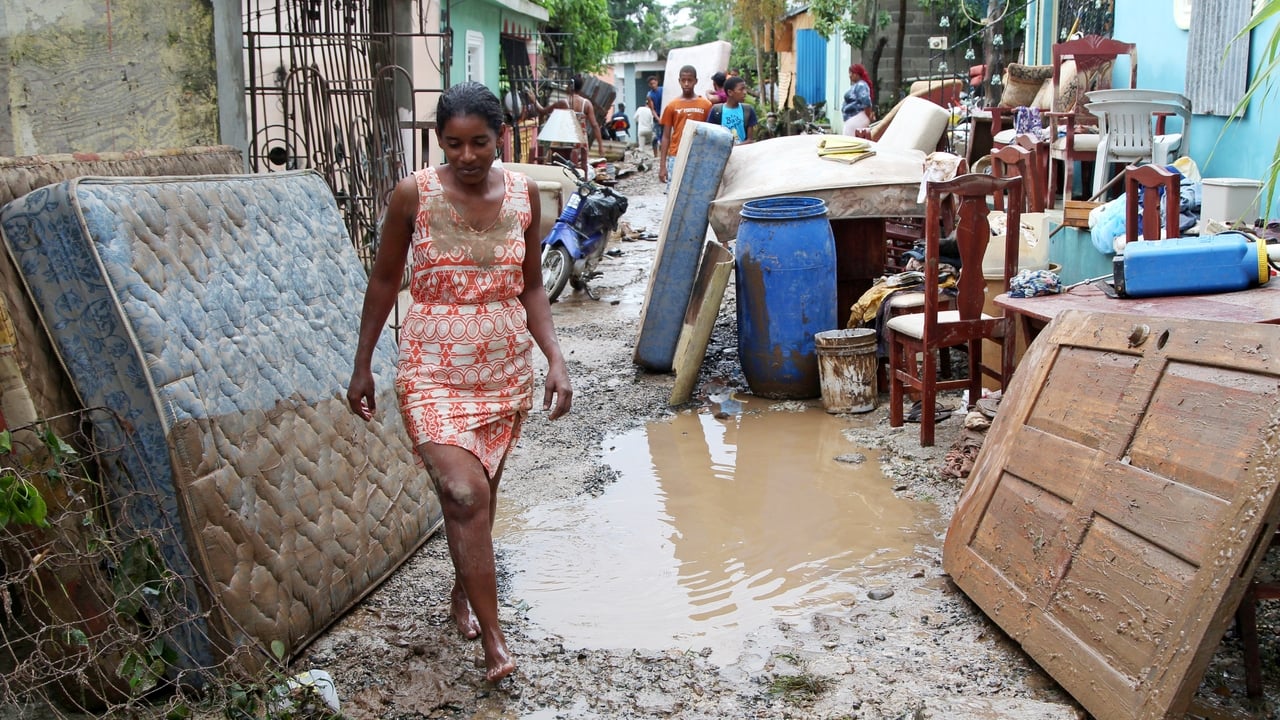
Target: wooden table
1255	305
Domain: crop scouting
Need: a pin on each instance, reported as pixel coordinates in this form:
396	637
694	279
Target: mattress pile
218	316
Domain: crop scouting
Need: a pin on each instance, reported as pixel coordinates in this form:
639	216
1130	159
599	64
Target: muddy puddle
715	528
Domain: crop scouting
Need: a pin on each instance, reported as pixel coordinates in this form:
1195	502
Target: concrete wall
91	76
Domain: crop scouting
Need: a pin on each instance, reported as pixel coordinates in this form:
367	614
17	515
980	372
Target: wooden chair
1036	186
1092	57
1247	624
1017	161
923	333
1156	182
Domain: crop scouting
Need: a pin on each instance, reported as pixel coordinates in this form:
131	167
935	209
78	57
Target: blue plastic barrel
786	274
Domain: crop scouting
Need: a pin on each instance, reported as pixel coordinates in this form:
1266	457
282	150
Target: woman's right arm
384	285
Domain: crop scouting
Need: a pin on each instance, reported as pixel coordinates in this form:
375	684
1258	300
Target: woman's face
469	146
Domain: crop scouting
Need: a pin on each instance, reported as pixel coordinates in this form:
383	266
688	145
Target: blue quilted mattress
700	162
218	315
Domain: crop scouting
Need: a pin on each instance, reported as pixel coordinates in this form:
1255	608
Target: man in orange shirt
677	112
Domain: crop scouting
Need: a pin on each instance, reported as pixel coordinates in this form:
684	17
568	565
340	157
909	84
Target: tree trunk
989	50
875	63
902	41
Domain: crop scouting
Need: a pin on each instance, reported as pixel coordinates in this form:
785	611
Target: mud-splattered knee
457	489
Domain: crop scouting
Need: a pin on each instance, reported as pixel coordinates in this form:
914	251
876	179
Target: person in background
465	376
644	129
735	114
653	99
678	112
620	124
856	109
581	107
717	94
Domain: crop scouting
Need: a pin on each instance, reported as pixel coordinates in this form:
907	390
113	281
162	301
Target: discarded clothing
1033	283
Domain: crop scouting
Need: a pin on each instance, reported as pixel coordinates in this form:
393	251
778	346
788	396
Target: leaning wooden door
1122	502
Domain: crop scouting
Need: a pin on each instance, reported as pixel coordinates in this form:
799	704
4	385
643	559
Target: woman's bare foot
497	659
468	626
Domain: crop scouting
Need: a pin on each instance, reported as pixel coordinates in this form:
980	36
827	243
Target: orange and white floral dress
465	374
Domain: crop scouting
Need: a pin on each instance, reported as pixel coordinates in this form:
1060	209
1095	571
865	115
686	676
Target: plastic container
786	273
847	367
1191	266
1229	200
1033	246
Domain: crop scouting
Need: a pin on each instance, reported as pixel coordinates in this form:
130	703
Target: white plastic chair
1125	136
1167	146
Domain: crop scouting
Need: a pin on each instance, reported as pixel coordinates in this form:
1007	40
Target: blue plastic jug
1191	266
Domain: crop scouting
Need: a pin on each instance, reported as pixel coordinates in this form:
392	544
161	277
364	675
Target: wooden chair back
1158	185
1094	57
1017	161
1036	187
966	325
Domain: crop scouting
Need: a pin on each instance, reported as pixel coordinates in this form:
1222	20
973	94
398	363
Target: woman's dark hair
469	98
718	79
578	82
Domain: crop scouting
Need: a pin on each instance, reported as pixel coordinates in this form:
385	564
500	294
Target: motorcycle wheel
557	265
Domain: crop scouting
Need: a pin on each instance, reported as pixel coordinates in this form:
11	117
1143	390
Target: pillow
1022	82
1072	84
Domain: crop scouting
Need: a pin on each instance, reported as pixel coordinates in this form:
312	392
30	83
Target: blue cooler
1191	266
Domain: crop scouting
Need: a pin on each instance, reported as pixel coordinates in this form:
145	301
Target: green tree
1263	83
589	31
755	21
710	17
639	24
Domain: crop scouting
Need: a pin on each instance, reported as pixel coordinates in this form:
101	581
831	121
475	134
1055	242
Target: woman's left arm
558	396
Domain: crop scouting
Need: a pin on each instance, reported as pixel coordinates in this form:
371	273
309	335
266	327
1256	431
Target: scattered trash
305	692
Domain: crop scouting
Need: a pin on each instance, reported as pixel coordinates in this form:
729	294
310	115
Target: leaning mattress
700	161
218	316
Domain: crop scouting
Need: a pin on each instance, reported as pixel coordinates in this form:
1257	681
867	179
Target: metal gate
343	87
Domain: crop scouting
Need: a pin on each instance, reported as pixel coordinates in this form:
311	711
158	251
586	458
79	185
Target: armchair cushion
1072	85
1022	83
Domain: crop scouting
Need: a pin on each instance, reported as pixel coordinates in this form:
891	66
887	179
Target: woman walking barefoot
465	375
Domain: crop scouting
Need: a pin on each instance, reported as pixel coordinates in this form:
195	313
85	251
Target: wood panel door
1122	501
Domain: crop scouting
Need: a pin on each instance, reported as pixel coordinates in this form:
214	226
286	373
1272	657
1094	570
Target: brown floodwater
715	528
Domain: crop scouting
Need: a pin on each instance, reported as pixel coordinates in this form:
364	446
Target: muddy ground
925	652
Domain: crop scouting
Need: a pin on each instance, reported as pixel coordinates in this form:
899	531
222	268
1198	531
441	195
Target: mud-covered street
895	639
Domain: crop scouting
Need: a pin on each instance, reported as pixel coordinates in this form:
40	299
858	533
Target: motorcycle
573	248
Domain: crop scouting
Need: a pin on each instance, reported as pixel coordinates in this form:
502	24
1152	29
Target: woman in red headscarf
857	106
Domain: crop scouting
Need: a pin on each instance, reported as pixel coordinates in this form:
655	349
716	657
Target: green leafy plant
1262	86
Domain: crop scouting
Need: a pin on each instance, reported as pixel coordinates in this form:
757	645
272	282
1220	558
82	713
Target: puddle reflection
715	528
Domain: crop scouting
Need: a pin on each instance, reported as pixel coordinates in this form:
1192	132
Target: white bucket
1230	200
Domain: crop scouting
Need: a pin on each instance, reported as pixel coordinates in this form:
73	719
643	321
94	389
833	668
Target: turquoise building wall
482	17
1247	147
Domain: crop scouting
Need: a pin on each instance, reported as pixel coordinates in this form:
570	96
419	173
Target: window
475	56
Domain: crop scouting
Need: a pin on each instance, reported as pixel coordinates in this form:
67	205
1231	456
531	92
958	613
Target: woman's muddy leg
465	493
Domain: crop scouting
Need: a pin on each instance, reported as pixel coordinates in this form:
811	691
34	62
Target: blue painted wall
811	56
1247	147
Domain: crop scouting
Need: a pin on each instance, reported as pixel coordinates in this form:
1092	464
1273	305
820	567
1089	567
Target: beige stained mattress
218	315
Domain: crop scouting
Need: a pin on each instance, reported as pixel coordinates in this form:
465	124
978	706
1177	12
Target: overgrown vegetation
1262	86
88	605
588	29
